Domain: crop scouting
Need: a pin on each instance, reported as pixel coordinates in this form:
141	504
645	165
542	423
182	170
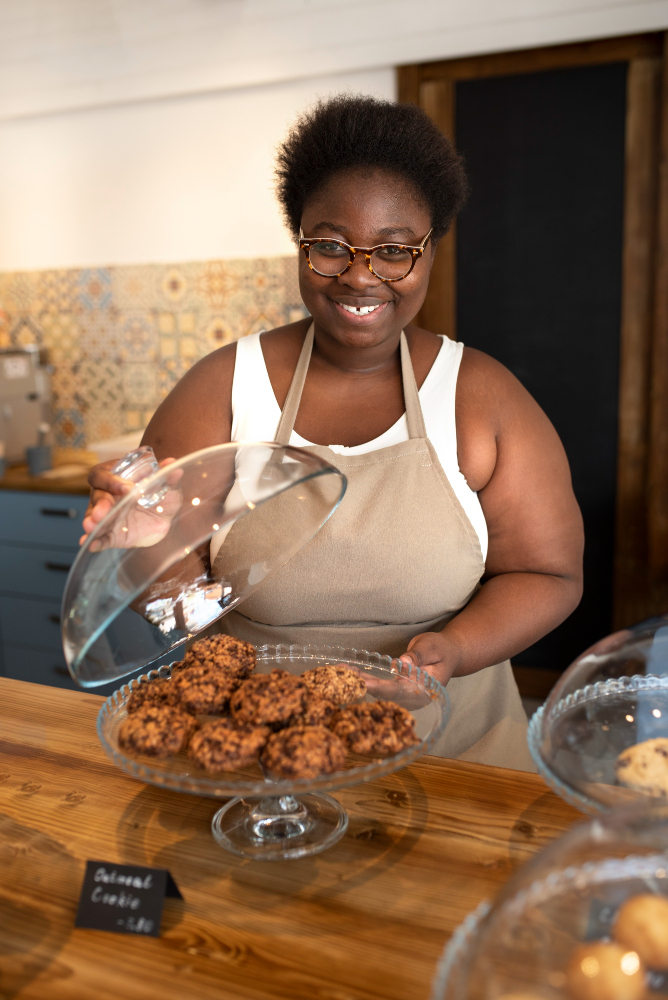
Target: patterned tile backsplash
119	338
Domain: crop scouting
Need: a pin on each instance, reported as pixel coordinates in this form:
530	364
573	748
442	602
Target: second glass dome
184	547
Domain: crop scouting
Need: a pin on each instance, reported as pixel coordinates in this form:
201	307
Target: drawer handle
55	619
61	671
70	512
59	567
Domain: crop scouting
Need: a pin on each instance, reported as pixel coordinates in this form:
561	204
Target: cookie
641	925
222	652
316	711
303	752
156	730
602	971
268	699
376	727
159	691
644	767
338	683
222	746
204	691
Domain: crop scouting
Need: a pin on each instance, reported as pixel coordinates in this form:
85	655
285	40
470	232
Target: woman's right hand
106	490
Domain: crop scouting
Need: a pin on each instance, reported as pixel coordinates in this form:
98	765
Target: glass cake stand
521	945
613	696
270	820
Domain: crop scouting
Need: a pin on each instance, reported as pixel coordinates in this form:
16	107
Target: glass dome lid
599	738
186	545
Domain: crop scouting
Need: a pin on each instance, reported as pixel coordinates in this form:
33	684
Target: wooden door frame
641	535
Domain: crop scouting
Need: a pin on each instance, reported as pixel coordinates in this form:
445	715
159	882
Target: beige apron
398	557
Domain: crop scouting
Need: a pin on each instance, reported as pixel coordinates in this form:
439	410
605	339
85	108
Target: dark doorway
538	263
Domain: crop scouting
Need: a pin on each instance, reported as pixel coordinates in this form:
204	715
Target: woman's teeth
359	310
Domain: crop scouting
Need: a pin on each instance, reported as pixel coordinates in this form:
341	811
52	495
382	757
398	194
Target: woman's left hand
434	653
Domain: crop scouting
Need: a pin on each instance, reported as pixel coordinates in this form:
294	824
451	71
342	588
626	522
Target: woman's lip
354	318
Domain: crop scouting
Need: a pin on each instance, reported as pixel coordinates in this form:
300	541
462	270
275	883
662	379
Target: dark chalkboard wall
538	281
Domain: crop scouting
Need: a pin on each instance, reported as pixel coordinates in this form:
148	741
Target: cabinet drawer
34	572
32	623
41	518
43	667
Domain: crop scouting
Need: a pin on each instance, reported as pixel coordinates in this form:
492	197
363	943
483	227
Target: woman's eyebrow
382	234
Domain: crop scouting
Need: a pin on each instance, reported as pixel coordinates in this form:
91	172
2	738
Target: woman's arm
512	457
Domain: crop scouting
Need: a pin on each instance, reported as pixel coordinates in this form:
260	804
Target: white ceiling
66	54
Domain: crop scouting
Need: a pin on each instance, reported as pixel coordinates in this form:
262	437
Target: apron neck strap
414	418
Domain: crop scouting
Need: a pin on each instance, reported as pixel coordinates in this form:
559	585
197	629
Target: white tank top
256	413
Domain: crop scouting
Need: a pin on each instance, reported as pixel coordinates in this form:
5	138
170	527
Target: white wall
76	53
173	180
144	130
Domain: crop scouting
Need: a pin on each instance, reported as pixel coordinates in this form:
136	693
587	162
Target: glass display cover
610	699
184	547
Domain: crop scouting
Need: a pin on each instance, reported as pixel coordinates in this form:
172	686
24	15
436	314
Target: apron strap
414	417
289	413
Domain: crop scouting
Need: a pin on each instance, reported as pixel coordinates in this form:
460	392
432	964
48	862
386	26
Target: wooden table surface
366	919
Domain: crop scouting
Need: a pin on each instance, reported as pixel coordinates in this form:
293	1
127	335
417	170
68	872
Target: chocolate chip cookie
303	752
159	691
205	691
316	711
644	767
268	699
222	746
156	730
375	727
338	683
222	652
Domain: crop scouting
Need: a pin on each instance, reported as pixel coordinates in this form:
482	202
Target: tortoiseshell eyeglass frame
305	244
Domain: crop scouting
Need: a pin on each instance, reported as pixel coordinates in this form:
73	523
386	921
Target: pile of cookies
296	726
617	969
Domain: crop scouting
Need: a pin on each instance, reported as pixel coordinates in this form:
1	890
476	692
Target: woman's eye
395	253
329	249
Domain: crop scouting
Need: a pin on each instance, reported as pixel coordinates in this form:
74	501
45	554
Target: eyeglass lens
387	262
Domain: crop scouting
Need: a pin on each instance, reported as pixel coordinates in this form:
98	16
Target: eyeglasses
388	261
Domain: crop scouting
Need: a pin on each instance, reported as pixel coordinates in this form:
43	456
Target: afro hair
352	131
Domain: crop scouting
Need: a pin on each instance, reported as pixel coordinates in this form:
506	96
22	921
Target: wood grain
365	920
631	585
658	445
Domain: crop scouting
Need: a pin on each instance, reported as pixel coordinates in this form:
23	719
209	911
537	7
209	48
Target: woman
459	541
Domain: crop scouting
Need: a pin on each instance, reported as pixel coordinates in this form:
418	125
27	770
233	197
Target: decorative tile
140	385
94	288
100	384
120	338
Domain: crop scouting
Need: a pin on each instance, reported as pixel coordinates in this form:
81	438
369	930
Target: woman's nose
358	275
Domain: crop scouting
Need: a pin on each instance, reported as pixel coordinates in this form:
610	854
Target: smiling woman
458	542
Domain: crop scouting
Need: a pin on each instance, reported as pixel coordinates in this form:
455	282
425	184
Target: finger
104	479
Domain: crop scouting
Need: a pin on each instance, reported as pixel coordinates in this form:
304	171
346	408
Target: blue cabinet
39	536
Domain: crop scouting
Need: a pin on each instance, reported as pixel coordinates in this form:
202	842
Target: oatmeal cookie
222	746
338	683
204	691
375	727
222	652
644	767
159	691
156	730
268	699
303	752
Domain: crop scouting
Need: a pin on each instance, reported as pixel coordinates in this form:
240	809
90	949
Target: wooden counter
18	478
366	919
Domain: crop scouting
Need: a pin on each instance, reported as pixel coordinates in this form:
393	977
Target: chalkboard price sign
125	899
